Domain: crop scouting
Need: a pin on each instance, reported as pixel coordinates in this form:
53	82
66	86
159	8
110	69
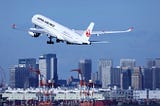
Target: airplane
46	26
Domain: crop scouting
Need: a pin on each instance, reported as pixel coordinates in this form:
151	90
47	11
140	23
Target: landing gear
35	26
58	40
50	40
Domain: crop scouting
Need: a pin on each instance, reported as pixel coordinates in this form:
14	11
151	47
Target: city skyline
123	76
149	63
140	44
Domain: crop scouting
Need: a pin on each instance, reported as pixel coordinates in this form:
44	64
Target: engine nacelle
33	34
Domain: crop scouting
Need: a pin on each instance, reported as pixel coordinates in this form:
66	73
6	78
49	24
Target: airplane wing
105	32
34	30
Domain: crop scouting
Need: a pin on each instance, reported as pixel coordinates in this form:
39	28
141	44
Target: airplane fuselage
57	30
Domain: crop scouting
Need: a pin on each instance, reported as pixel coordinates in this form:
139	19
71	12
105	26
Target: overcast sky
142	43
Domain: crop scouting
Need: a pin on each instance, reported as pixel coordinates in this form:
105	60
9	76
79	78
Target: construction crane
86	87
80	76
40	79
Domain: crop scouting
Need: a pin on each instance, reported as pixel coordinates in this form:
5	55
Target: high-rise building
137	78
21	76
153	62
147	78
48	67
100	74
12	79
156	78
125	78
27	62
105	67
30	63
127	66
95	79
86	68
115	76
130	63
94	76
157	62
150	63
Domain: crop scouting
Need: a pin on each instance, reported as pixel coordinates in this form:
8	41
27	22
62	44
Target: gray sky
140	44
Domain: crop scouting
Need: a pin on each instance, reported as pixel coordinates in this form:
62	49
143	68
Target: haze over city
140	44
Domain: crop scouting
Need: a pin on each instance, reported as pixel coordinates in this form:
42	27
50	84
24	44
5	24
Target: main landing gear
50	40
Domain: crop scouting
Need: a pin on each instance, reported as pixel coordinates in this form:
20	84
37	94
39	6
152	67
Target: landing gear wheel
50	42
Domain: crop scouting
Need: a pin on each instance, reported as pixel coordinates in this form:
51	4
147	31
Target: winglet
130	29
13	26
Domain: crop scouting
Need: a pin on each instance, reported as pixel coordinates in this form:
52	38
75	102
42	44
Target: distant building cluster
127	74
26	73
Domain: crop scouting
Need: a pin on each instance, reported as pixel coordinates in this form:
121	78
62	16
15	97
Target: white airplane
52	29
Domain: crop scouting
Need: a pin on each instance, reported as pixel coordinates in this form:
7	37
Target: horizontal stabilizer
100	42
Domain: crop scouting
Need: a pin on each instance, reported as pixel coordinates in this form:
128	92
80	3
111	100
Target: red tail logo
88	33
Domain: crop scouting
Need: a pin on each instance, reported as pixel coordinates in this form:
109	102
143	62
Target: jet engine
33	34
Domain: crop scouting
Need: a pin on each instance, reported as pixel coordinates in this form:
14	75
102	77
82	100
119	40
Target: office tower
86	68
21	76
130	63
150	63
147	78
12	79
156	78
153	63
105	67
30	63
100	74
115	76
125	78
157	62
94	76
137	78
27	62
48	67
127	66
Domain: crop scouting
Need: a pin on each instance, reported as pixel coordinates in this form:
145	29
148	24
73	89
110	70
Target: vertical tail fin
88	31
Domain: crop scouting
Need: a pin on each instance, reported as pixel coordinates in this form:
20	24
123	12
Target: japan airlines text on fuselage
52	29
58	31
